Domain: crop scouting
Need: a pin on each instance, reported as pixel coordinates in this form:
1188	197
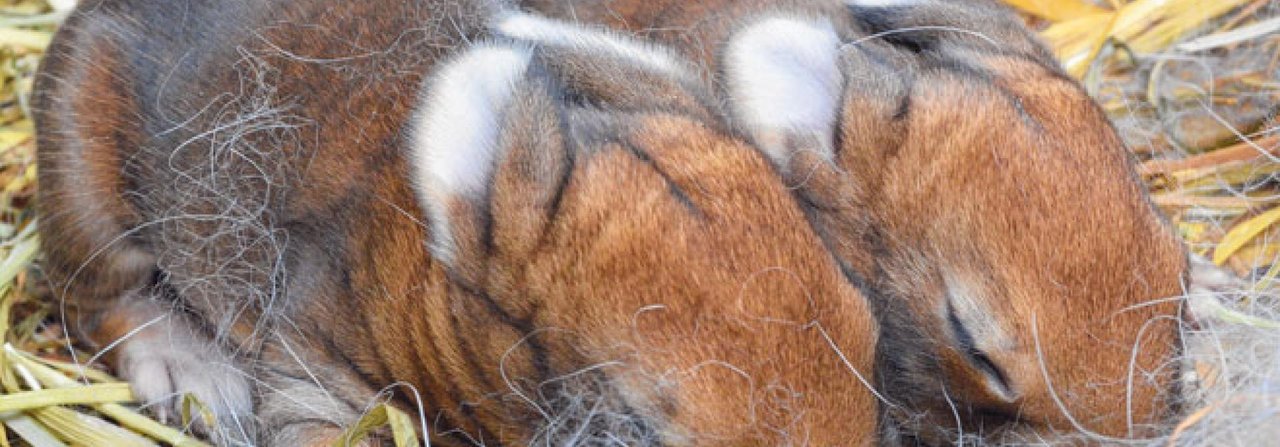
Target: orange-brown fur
972	156
1056	233
630	252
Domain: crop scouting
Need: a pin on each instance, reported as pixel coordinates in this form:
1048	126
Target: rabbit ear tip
475	86
455	133
784	80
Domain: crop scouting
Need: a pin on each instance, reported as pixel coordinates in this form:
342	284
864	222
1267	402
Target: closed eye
976	356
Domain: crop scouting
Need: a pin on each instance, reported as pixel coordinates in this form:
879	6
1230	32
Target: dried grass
1192	85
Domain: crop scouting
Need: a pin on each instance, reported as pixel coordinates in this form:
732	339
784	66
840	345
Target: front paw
167	360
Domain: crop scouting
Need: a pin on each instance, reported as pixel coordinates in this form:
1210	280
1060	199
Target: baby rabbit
294	209
970	188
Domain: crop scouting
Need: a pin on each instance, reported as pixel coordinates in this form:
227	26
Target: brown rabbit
973	191
293	209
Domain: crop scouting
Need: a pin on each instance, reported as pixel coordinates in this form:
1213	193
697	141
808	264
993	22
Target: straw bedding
1192	85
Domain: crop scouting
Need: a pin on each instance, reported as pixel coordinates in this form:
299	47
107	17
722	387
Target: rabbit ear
784	84
557	34
492	141
456	137
823	111
949	27
609	70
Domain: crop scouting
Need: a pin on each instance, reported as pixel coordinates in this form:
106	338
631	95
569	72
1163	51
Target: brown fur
244	171
980	160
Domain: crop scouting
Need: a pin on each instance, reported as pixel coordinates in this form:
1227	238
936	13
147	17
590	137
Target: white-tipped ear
455	135
784	83
544	31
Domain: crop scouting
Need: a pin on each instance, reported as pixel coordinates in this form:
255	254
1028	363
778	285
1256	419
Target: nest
1192	85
